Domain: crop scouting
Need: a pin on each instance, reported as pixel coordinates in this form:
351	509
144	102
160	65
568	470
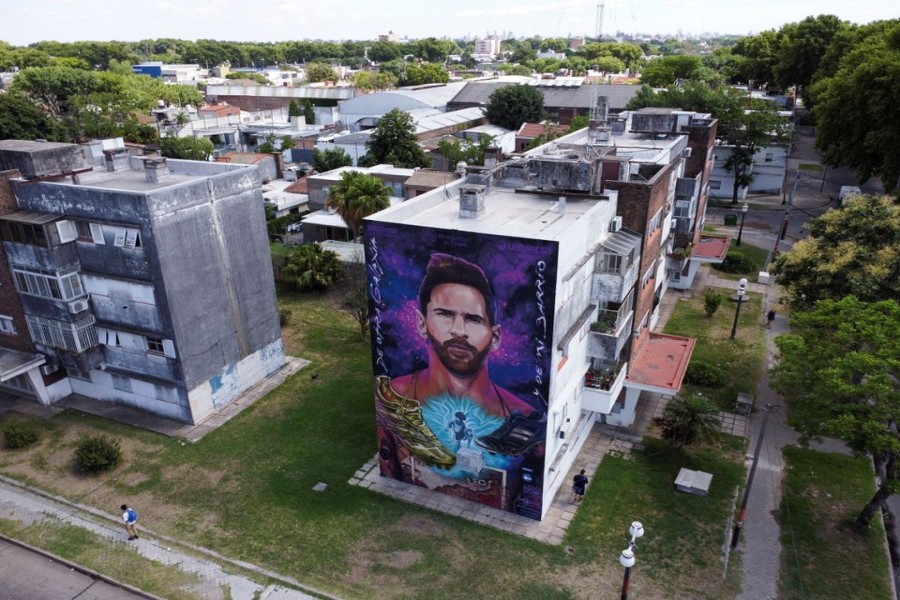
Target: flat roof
660	363
711	249
135	180
516	214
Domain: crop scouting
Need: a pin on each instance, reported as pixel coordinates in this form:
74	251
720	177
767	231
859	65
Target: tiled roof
244	158
431	178
298	187
533	130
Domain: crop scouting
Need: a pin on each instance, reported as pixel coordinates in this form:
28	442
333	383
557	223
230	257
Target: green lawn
245	491
742	359
822	556
756	255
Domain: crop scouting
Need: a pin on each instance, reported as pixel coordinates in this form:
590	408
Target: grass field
757	257
246	491
742	359
822	556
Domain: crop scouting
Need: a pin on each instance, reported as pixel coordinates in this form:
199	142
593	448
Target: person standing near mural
579	482
456	317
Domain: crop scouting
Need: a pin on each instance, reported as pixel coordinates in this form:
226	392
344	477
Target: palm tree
689	419
356	196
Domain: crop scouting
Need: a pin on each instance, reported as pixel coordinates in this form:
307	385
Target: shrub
711	301
284	316
96	453
704	374
18	435
688	420
736	262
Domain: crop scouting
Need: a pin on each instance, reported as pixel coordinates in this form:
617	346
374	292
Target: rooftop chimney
471	201
156	169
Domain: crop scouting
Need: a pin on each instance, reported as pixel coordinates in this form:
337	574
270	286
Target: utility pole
790	203
762	434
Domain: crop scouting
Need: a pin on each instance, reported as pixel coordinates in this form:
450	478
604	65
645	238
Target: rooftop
515	214
711	249
660	363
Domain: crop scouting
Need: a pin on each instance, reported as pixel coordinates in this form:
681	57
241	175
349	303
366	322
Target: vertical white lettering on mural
540	337
376	272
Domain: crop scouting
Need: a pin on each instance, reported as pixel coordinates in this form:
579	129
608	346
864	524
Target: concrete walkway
217	580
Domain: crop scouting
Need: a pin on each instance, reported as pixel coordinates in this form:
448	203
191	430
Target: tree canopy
851	251
356	196
22	119
857	121
187	148
320	72
330	159
667	70
394	142
513	105
840	372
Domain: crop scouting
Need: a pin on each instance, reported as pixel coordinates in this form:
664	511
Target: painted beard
459	356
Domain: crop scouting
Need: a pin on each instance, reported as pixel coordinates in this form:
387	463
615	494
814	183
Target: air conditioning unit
687	152
77	306
615	224
674	224
49	369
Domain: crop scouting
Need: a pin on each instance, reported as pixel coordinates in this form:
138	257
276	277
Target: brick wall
702	139
10	306
638	203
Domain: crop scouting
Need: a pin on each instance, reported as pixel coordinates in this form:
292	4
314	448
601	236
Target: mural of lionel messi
447	420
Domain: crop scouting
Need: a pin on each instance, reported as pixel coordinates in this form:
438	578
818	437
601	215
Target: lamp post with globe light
742	288
626	559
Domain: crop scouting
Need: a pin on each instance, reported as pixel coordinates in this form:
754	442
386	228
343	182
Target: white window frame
78	336
48	284
7	325
127	237
655	223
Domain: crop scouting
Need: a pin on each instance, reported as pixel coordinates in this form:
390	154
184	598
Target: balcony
610	332
602	387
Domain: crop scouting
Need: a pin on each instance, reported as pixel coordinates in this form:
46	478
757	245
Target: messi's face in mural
458	328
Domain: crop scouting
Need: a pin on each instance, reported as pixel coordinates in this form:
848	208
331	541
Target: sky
23	22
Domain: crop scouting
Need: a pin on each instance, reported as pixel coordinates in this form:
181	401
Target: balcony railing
602	379
602	387
609	321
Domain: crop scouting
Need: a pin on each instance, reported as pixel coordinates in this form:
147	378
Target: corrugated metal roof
622	242
477	92
33	218
441	120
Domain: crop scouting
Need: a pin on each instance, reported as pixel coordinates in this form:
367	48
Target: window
7	325
655	222
123	384
23	233
127	237
90	232
770	156
715	184
611	263
47	284
648	275
155	345
19	382
77	337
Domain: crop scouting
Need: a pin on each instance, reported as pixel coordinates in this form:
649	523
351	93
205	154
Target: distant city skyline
234	20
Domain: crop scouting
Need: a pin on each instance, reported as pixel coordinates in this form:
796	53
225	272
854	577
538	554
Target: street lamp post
626	559
742	287
744	210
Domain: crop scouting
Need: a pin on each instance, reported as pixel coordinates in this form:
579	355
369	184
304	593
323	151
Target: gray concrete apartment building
137	280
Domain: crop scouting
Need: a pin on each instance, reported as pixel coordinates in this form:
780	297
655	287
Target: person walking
578	484
130	518
770	316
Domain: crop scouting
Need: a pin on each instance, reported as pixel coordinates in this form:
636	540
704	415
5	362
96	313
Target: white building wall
235	379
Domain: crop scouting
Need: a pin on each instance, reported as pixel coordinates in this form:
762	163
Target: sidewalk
216	574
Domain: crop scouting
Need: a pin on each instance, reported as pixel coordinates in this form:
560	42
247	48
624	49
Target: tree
369	81
456	151
356	196
22	119
855	110
801	47
425	73
186	148
257	77
513	105
311	267
840	372
356	294
394	142
667	70
689	419
851	251
320	72
330	159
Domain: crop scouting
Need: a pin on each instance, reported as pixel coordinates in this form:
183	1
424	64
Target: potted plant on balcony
605	322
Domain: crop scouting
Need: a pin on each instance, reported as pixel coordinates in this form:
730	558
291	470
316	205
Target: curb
81	569
203	552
